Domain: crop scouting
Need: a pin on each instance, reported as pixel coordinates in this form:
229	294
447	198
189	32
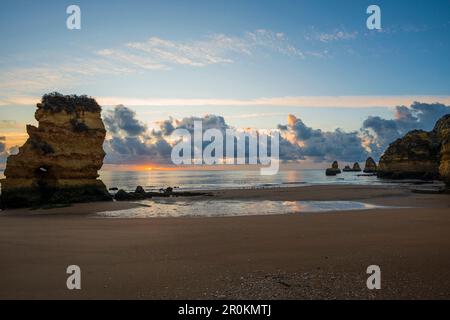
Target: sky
258	64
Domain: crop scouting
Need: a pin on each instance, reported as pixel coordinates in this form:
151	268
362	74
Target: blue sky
253	62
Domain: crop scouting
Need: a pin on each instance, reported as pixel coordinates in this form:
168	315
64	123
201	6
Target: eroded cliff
419	154
60	160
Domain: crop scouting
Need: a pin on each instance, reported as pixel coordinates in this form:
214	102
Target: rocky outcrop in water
419	155
356	167
334	170
370	166
60	160
141	194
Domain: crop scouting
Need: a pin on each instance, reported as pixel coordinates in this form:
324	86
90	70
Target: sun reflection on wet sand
220	208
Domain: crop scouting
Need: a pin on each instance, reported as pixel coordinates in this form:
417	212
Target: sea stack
334	170
370	166
347	169
356	167
60	160
419	155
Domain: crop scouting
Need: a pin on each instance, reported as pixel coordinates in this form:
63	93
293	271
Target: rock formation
419	154
442	130
59	161
334	170
370	166
356	167
141	194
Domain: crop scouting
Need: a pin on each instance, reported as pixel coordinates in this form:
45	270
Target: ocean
230	179
187	180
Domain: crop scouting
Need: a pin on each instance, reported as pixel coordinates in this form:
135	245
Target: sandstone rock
334	170
420	154
415	156
370	166
347	169
335	165
59	161
442	131
356	167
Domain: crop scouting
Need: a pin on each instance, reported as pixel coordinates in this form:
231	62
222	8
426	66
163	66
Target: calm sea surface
207	180
212	180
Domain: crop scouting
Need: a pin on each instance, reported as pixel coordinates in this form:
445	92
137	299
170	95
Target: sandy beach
290	256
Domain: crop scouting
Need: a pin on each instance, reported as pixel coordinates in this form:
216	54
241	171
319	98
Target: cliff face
419	154
442	130
59	161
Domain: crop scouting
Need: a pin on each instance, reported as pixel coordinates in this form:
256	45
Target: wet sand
294	256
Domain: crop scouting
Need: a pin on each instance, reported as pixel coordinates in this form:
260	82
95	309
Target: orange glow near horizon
151	167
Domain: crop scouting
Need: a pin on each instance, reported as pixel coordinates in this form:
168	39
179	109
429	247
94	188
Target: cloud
153	54
2	144
332	36
4	151
17	84
8	124
131	59
337	36
296	101
323	145
131	142
122	121
379	133
287	101
373	138
215	49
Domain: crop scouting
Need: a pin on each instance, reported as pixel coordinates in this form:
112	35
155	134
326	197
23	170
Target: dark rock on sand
122	195
140	190
140	194
59	161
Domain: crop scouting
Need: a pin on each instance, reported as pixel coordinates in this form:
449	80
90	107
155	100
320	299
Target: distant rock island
60	160
334	170
355	168
370	166
419	155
